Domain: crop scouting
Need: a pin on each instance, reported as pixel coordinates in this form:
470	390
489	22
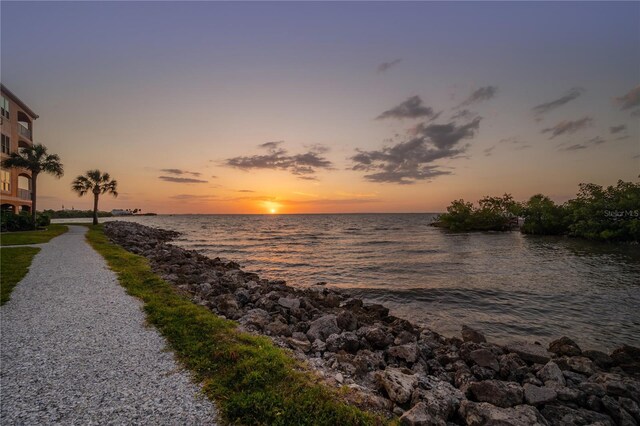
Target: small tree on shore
35	159
97	183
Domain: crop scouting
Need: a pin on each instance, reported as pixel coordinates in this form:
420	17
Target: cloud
180	172
597	140
245	190
630	100
303	165
489	151
180	179
464	114
411	108
387	65
411	161
575	147
617	129
568	127
482	94
572	94
190	197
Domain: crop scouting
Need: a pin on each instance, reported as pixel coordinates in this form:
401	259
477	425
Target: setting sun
272	211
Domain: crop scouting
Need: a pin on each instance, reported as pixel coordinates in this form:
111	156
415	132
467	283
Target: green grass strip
252	381
14	265
32	237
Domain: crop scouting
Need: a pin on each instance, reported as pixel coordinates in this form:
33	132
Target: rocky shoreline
396	367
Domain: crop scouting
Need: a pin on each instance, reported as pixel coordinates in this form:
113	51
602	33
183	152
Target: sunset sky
327	107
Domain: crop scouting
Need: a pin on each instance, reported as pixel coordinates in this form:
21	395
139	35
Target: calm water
506	284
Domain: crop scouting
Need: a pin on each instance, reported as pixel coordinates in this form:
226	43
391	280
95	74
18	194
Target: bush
492	214
10	222
43	220
543	217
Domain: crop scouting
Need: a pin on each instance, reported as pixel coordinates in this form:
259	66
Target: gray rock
551	373
442	400
471	335
289	302
347	321
346	341
408	352
536	395
529	352
581	364
278	328
480	414
562	415
628	358
631	407
419	416
601	359
397	383
322	328
258	318
565	346
303	345
376	337
485	358
496	392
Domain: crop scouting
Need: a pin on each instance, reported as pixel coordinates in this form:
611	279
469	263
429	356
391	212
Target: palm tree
35	159
97	183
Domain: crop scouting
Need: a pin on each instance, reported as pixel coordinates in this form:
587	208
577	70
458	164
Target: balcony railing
24	194
24	131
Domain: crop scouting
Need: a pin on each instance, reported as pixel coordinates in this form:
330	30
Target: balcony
24	131
24	194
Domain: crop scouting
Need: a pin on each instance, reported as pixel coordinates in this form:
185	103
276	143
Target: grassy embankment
32	237
251	380
15	261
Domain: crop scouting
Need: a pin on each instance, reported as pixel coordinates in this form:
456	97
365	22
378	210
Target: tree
543	217
97	183
35	159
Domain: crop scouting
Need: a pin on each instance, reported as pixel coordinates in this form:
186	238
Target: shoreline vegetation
596	213
225	324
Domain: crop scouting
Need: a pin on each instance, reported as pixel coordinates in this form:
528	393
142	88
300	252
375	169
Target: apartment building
17	132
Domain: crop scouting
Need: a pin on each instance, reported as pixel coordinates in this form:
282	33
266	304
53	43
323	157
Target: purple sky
374	106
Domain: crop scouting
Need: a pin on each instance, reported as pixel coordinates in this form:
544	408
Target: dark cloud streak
571	95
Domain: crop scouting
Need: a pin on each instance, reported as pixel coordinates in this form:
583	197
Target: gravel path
75	349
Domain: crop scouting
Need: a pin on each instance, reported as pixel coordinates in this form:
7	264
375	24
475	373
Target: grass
251	380
32	237
14	264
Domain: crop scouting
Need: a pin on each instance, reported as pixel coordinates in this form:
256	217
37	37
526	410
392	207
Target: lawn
14	264
32	237
250	379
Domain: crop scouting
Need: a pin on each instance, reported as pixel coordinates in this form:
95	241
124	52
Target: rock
289	302
339	378
529	352
628	358
551	373
322	328
496	392
565	346
405	337
442	400
601	359
398	385
227	305
258	318
346	341
512	368
318	346
376	337
535	395
471	335
581	364
419	416
303	345
408	352
590	388
485	358
631	407
618	385
562	415
571	395
480	414
278	328
347	321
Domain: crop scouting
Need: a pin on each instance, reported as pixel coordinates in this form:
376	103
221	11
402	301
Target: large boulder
628	358
480	414
408	352
551	374
496	392
289	302
346	341
398	383
258	318
441	398
485	358
565	346
347	321
322	328
529	352
472	335
601	359
581	364
376	337
538	395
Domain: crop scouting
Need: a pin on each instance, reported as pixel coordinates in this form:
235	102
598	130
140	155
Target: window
5	177
6	144
4	107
